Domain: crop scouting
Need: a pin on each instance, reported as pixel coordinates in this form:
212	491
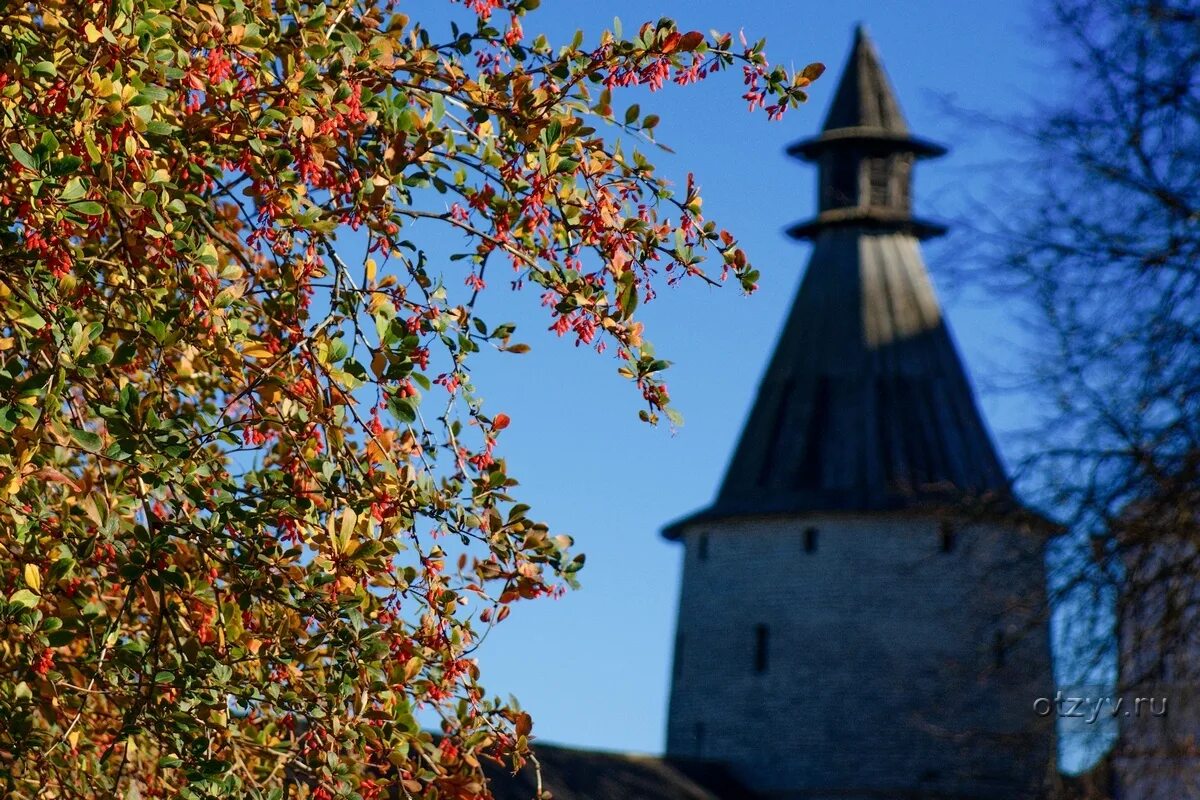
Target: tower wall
882	673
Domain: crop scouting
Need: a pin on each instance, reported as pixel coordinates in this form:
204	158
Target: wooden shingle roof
865	107
570	774
865	405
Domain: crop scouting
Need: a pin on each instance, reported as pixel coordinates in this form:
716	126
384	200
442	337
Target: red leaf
51	474
690	41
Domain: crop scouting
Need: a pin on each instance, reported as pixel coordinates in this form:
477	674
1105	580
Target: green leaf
155	94
74	190
24	598
631	114
101	354
89	207
402	409
86	439
23	156
94	154
338	349
160	128
30	318
45	68
48	145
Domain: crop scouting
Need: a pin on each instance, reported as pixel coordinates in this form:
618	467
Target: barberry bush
253	518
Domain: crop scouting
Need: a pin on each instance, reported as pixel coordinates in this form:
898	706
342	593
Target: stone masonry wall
893	669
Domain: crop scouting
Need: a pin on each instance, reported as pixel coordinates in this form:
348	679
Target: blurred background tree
1102	245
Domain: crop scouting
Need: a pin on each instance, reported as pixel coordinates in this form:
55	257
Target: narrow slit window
810	540
947	537
762	636
698	732
999	649
880	179
677	667
702	547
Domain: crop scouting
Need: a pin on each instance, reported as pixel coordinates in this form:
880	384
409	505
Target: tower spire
864	97
866	405
865	153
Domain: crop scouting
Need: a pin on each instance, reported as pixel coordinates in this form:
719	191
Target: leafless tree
1103	245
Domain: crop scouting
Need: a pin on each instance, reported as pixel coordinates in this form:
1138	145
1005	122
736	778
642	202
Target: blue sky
593	667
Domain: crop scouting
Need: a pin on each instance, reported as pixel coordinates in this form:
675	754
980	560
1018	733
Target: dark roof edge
990	508
810	149
871	219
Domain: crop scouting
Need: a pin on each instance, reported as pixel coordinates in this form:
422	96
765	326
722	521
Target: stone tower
863	606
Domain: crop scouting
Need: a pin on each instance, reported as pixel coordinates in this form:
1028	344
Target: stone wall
891	665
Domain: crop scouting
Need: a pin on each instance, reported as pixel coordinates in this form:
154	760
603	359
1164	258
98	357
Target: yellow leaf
333	540
231	357
379	446
88	504
184	368
33	578
12	485
270	393
379	299
92	33
349	520
255	350
372	268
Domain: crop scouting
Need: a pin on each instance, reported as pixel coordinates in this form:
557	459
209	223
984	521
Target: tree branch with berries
254	516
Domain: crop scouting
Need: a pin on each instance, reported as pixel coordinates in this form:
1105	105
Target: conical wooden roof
864	97
866	405
865	107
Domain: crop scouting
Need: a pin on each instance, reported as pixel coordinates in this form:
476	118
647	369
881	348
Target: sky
593	667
